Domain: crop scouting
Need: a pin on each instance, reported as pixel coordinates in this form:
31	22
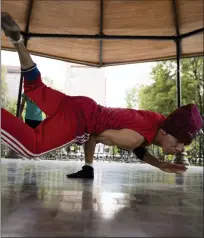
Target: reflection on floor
124	200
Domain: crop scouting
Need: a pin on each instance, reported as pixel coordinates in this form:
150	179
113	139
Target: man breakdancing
77	119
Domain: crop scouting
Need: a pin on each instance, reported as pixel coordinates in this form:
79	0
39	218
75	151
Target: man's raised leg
47	99
59	129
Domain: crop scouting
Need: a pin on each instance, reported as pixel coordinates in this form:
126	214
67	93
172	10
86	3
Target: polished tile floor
124	200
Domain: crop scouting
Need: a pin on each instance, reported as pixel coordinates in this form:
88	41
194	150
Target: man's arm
89	149
144	155
150	159
125	138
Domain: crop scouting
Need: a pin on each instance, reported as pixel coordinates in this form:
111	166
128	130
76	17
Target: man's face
171	145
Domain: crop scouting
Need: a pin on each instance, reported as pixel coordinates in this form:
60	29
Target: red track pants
59	129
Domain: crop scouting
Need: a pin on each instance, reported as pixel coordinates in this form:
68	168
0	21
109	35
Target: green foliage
12	107
161	95
5	103
115	150
131	98
4	88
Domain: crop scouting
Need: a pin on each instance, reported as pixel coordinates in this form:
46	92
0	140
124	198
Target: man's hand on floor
172	168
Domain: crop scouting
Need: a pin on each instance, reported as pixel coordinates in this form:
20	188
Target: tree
9	105
5	103
192	76
161	95
131	98
4	88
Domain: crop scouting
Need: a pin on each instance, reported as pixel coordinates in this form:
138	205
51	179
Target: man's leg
47	99
53	133
87	170
33	124
17	135
56	131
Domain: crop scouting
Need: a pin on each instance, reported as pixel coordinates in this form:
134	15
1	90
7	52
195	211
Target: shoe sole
9	26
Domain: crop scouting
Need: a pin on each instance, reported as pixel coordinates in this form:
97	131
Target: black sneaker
86	172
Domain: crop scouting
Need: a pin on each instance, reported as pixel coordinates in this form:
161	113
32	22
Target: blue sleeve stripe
31	74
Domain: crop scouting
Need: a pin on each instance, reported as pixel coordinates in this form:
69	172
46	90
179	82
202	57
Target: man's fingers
182	169
179	166
174	168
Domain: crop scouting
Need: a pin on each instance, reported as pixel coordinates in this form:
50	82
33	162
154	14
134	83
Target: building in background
80	81
12	79
86	81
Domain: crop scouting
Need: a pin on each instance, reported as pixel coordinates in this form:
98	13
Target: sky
124	77
119	78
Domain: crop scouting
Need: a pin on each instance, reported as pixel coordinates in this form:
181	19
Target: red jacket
95	119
